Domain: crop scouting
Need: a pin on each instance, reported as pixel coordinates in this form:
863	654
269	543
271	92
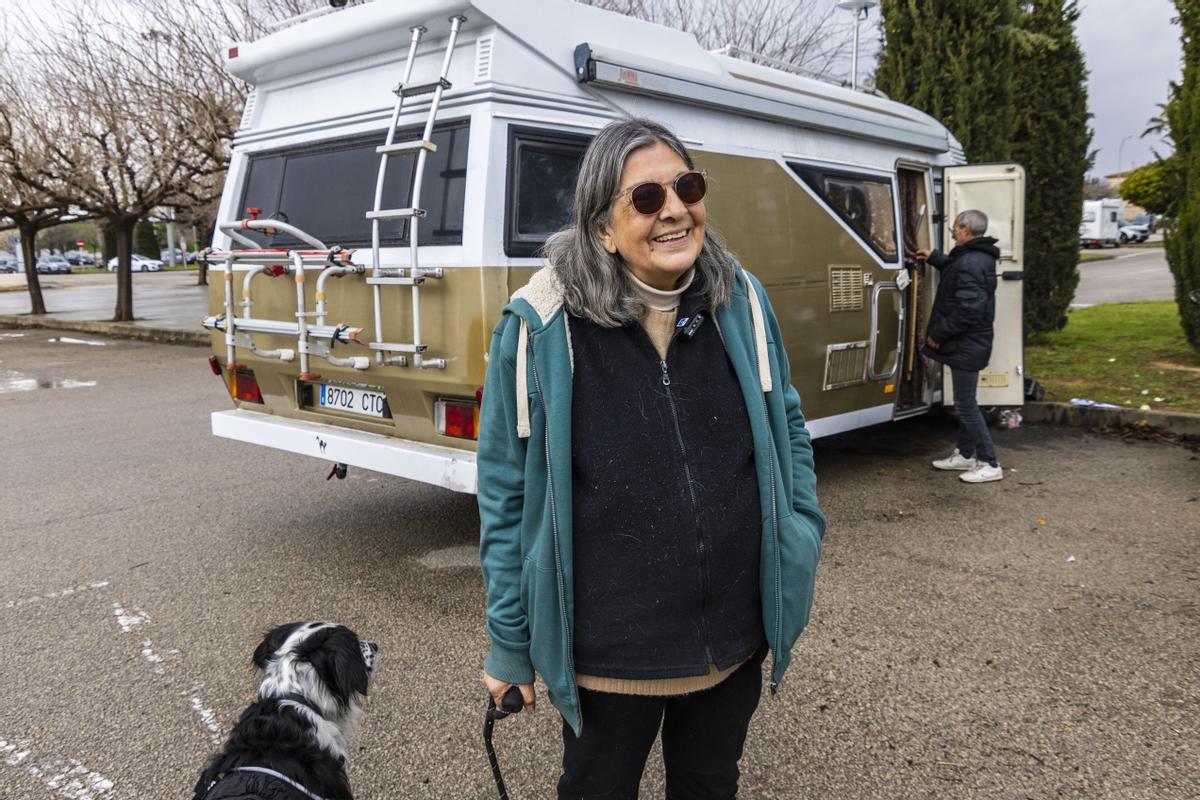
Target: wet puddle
11	382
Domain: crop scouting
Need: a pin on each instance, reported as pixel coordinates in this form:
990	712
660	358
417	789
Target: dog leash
511	703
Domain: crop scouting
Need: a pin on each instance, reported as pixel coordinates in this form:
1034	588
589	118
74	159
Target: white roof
670	63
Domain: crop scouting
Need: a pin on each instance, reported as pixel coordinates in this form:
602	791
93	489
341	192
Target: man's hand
929	341
923	254
497	688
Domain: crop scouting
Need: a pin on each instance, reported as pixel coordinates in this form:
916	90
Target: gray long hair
596	283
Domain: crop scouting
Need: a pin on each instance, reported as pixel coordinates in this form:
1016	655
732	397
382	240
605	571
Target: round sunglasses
650	197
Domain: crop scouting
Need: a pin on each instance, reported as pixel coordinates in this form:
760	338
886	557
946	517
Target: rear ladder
413	276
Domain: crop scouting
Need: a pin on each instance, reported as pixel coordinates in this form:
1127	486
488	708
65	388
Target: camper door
997	190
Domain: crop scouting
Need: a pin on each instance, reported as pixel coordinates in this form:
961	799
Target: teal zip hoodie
524	463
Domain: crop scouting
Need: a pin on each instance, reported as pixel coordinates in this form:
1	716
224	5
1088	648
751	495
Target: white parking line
55	595
159	664
65	777
207	716
129	621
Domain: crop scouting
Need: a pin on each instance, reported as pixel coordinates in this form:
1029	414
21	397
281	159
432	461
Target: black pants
974	439
702	739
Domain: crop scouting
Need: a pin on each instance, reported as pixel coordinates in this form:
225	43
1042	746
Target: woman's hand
923	254
497	688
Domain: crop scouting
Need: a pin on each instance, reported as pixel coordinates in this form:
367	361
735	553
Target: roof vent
483	59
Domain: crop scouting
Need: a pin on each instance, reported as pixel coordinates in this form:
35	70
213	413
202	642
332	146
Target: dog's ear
338	660
272	642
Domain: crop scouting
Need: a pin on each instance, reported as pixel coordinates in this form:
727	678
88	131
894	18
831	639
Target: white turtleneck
662	308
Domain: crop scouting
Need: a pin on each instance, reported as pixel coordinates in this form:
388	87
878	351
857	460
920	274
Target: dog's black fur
314	677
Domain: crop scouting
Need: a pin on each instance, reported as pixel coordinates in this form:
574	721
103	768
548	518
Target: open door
997	190
914	383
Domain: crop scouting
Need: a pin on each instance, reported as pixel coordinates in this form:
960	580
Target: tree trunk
123	228
37	305
202	272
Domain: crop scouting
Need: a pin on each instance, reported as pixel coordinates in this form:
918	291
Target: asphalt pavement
1031	638
1131	274
161	300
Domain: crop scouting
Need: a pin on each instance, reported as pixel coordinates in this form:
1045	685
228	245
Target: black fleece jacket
667	523
964	308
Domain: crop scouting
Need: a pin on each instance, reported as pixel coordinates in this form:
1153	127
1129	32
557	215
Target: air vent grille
483	59
248	111
845	288
845	364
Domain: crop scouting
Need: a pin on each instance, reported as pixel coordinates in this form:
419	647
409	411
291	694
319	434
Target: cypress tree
1183	232
145	240
954	59
1051	140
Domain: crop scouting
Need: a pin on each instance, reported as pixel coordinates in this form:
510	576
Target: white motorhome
442	139
1100	225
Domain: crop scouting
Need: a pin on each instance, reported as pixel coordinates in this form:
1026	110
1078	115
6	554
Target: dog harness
270	773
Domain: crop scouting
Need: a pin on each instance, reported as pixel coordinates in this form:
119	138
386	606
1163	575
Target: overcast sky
1132	53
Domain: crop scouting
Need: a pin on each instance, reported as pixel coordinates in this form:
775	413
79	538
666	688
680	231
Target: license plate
353	401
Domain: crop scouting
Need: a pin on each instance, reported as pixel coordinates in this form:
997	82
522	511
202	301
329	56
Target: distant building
1113	182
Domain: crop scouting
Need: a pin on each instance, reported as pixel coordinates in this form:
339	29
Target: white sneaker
982	473
956	461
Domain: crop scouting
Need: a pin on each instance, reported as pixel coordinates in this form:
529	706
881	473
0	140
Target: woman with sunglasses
649	522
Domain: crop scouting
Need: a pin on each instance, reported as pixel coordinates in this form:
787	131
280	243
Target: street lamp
860	8
1120	147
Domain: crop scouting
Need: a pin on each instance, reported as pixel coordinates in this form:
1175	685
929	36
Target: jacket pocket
799	552
547	636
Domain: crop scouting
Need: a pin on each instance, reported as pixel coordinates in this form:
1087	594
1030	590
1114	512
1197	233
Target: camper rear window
542	169
864	202
326	189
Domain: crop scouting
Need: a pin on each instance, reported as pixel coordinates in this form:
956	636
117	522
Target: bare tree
804	33
24	208
132	114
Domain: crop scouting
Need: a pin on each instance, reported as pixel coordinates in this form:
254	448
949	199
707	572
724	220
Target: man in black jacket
959	335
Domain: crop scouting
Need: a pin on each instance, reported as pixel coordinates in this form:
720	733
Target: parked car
78	258
1131	234
8	262
1149	220
180	257
53	264
138	263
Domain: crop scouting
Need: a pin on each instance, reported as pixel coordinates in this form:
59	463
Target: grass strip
1129	354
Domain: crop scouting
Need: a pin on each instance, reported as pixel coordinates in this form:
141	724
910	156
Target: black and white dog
292	742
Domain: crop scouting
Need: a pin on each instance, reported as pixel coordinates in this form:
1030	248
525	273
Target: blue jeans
974	440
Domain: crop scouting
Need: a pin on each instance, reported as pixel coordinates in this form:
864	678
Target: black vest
666	516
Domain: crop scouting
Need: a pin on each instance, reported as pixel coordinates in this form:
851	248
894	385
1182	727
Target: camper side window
326	189
542	169
864	202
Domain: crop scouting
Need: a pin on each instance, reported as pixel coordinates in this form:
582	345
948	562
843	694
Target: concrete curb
122	330
1064	414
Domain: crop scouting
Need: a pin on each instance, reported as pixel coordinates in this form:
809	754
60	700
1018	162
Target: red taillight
215	365
479	396
244	386
457	418
233	51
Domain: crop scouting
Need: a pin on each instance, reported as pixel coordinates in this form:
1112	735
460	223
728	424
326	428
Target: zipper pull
666	377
